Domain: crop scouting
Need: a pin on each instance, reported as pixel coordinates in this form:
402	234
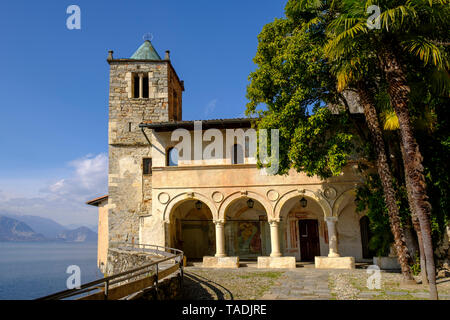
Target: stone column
141	84
275	238
220	238
332	237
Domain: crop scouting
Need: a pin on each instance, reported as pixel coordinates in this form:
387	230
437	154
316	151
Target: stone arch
238	195
187	196
327	210
189	227
342	201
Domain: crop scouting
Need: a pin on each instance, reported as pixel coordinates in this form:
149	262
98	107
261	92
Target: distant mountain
81	234
45	229
75	226
49	228
15	230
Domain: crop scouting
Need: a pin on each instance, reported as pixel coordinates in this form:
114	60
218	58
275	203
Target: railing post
106	289
181	271
156	282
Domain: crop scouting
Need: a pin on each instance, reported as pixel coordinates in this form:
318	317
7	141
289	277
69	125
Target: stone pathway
300	284
227	284
303	283
352	285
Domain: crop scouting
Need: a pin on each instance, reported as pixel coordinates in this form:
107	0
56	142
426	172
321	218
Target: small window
172	157
175	106
145	88
238	154
147	166
136	86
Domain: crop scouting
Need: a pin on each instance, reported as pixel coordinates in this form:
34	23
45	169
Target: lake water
30	270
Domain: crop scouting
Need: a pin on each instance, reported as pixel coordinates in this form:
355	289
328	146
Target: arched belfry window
140	85
172	157
238	154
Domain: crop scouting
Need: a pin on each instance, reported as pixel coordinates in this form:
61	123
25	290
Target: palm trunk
386	179
416	224
398	90
423	260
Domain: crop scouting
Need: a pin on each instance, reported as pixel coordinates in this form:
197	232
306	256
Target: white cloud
63	199
57	186
210	107
89	177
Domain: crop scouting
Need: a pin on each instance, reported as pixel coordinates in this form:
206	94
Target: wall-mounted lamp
198	204
303	202
250	203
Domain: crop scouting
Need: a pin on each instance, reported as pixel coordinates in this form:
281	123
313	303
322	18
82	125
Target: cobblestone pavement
228	284
300	284
352	285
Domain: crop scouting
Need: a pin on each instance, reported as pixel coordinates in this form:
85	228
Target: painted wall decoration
249	238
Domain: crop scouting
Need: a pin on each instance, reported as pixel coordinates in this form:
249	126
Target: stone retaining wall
168	289
123	260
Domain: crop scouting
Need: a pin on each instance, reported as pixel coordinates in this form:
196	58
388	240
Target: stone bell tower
142	88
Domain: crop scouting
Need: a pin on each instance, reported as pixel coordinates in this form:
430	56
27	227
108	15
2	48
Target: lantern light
303	202
198	204
250	203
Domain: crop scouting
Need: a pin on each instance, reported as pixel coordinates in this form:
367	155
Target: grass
388	285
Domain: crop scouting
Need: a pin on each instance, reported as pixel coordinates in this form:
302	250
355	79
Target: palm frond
425	50
396	16
350	32
390	120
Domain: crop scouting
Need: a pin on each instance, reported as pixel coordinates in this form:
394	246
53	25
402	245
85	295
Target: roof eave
206	124
95	202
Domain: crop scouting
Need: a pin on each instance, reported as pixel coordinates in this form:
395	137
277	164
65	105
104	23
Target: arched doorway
192	229
303	228
247	232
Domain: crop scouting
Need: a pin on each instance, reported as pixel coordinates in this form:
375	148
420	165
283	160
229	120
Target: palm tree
391	124
350	68
426	121
350	71
385	174
407	27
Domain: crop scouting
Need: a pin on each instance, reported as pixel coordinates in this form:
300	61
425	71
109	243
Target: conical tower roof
146	52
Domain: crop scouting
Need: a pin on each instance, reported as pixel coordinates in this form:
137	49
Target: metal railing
150	274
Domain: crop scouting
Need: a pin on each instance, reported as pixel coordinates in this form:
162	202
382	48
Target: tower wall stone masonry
130	190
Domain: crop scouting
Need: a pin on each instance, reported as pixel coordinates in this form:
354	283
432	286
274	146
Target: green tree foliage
295	80
369	198
293	85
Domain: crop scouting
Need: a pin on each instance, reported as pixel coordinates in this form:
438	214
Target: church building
219	209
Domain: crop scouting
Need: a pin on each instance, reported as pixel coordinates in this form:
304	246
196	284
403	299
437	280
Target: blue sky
54	86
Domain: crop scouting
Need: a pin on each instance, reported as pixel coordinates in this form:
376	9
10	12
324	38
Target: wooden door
309	239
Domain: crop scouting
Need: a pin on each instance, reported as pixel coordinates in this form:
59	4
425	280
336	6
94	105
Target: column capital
274	221
332	219
219	222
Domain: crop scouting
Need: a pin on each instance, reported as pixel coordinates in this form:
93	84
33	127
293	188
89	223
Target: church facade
218	207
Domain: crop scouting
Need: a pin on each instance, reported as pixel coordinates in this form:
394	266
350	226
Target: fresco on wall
249	238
